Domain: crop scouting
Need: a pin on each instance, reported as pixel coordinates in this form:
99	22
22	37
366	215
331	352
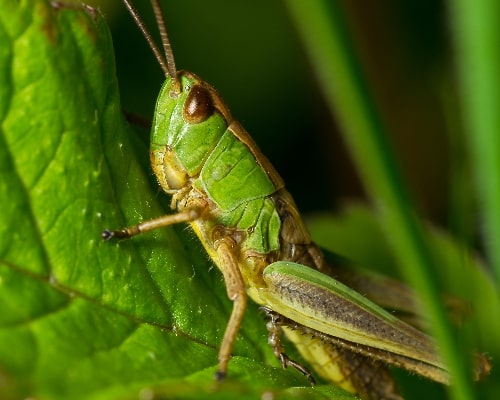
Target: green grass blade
322	29
477	29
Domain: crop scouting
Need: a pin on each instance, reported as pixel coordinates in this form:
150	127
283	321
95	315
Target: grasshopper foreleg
186	215
273	326
228	264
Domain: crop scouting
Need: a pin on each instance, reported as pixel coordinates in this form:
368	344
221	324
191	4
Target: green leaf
82	318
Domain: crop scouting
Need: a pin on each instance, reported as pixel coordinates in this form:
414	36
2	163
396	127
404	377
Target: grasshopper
236	203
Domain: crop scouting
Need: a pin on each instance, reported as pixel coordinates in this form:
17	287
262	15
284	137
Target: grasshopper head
190	119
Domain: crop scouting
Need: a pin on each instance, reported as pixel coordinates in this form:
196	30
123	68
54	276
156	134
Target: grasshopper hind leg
357	373
274	329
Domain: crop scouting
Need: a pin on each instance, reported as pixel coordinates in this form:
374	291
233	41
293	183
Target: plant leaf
81	317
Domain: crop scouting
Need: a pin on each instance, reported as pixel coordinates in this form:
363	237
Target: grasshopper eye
198	106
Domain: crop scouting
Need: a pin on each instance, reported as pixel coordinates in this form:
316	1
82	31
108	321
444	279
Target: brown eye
198	106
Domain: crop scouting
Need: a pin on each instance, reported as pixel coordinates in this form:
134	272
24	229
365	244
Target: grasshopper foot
274	330
220	376
121	234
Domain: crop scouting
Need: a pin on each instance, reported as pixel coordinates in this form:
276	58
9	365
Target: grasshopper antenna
166	62
167	48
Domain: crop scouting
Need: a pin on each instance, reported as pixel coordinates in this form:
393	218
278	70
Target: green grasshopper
236	203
